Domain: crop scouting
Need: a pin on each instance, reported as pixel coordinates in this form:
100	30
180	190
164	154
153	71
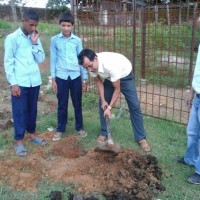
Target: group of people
69	67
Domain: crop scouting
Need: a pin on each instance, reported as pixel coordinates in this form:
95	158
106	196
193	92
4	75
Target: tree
13	4
57	4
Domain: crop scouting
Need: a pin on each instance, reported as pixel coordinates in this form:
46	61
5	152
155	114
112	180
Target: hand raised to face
34	37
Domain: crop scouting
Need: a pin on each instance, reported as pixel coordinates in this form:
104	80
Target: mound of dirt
127	175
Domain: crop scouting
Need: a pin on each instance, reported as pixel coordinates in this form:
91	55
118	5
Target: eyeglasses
89	67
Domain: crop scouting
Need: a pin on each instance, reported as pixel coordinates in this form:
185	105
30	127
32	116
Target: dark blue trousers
24	111
75	89
128	89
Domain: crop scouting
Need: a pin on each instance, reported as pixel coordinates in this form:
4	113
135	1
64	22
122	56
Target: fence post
143	43
134	36
156	13
168	13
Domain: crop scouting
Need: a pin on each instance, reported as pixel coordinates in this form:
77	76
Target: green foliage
46	32
4	24
90	100
55	12
44	76
170	37
45	189
168	140
48	29
57	6
57	3
168	76
5	138
8	194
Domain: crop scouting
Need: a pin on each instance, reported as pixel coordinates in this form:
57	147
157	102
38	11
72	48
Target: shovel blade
103	146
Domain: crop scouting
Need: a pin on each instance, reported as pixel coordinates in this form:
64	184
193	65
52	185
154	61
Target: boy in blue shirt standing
67	75
23	53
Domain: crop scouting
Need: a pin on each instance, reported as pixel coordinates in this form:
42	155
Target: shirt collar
100	65
71	36
20	32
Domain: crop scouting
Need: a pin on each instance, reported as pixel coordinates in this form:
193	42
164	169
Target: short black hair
90	54
66	17
30	14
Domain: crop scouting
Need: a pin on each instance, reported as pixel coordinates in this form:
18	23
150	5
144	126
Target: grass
161	41
168	76
167	139
42	194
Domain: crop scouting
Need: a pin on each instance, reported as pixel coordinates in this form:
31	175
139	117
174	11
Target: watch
109	107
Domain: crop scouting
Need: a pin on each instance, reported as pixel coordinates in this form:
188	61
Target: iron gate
161	42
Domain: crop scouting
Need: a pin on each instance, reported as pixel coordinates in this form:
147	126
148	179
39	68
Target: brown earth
128	175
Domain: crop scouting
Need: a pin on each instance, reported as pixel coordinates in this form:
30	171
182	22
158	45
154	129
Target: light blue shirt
21	60
64	60
196	77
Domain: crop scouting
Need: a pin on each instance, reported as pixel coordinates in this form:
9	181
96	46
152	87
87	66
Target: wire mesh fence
159	40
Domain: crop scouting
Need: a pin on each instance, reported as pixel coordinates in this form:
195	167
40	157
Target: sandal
101	138
144	145
82	133
110	142
39	141
57	136
20	150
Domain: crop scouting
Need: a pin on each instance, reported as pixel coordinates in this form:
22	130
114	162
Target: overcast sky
37	3
32	3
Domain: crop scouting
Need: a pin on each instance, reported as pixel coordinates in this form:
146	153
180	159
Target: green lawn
167	139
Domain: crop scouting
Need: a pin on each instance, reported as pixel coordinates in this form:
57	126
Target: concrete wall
44	14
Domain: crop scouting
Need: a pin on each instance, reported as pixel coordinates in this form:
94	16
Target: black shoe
194	179
180	160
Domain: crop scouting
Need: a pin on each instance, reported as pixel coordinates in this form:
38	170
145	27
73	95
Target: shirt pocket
61	49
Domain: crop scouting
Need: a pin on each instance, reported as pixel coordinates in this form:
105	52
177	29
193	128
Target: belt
198	95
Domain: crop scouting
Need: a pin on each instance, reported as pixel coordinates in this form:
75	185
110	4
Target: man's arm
115	96
116	92
9	60
196	74
84	73
100	87
190	97
53	59
37	48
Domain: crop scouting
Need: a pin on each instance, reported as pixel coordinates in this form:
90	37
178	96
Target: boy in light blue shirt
192	153
23	53
67	75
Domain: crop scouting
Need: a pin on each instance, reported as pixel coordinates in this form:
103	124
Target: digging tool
106	146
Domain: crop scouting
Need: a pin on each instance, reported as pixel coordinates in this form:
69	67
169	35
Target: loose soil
128	175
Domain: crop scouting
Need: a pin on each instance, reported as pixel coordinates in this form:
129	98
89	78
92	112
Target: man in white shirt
112	73
192	153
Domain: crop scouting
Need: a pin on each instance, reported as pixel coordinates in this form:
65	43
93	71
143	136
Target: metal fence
160	41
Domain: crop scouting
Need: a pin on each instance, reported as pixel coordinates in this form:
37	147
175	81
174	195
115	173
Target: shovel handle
108	128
